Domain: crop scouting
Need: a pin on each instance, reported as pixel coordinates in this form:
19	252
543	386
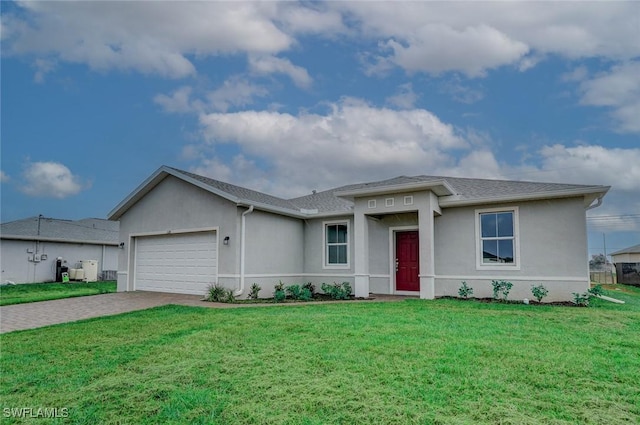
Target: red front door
407	261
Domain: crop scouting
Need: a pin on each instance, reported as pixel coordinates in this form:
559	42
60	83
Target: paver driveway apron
34	315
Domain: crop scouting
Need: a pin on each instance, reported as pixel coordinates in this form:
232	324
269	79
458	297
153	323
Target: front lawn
31	292
408	362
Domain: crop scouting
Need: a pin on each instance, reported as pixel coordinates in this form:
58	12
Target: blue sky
291	97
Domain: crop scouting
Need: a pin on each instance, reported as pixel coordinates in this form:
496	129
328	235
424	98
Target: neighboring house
627	255
407	235
30	248
627	263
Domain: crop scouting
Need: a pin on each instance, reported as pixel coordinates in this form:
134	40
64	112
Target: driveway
35	315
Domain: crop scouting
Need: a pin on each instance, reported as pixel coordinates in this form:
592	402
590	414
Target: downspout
243	234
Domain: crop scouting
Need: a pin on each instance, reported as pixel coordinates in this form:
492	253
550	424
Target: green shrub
293	291
306	294
501	287
279	295
229	297
337	291
465	291
216	293
311	287
581	300
596	291
539	292
254	292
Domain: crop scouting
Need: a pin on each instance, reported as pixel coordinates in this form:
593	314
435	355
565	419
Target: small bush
465	291
581	300
501	287
216	293
229	297
596	291
311	287
337	291
305	294
279	295
254	292
293	291
539	292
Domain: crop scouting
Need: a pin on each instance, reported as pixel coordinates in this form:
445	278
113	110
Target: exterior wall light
226	240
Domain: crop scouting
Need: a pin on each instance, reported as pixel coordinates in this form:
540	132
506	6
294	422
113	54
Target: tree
597	262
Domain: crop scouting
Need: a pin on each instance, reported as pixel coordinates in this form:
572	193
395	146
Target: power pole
604	243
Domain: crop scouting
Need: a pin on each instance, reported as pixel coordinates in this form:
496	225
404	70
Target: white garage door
184	263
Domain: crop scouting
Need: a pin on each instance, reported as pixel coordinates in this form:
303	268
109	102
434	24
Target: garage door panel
181	263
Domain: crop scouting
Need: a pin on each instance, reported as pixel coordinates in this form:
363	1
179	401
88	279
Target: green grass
410	362
32	292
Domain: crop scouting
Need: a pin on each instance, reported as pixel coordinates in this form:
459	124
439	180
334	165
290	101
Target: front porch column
427	253
361	253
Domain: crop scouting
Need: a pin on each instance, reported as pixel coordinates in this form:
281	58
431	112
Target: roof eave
589	194
49	239
440	187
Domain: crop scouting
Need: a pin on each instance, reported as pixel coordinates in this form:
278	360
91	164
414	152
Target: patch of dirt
493	301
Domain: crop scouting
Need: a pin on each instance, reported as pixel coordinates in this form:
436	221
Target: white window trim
516	240
325	264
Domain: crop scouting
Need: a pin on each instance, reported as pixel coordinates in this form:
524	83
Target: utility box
90	268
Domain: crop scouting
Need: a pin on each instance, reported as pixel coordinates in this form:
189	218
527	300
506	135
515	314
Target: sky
292	97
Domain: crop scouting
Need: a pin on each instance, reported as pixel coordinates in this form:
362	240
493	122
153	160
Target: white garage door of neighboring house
184	263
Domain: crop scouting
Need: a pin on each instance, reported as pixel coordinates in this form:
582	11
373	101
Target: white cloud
352	141
43	67
618	89
270	65
149	37
4	177
461	93
234	92
474	37
50	180
473	50
469	37
405	98
177	102
593	164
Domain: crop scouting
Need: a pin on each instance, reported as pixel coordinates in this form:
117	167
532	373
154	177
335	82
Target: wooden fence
628	273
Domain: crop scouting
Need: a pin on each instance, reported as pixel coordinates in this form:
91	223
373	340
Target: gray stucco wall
553	250
176	205
275	244
17	268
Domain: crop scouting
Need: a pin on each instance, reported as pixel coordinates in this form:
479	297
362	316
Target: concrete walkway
34	315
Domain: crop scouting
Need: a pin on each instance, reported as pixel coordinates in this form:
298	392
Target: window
336	244
497	238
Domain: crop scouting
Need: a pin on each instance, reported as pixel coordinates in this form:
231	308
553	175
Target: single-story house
30	248
627	263
419	235
627	255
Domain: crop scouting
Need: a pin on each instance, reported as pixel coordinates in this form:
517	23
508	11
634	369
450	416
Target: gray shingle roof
630	250
326	202
88	230
241	193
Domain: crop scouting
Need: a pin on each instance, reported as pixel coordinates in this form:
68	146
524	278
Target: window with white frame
497	237
336	237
